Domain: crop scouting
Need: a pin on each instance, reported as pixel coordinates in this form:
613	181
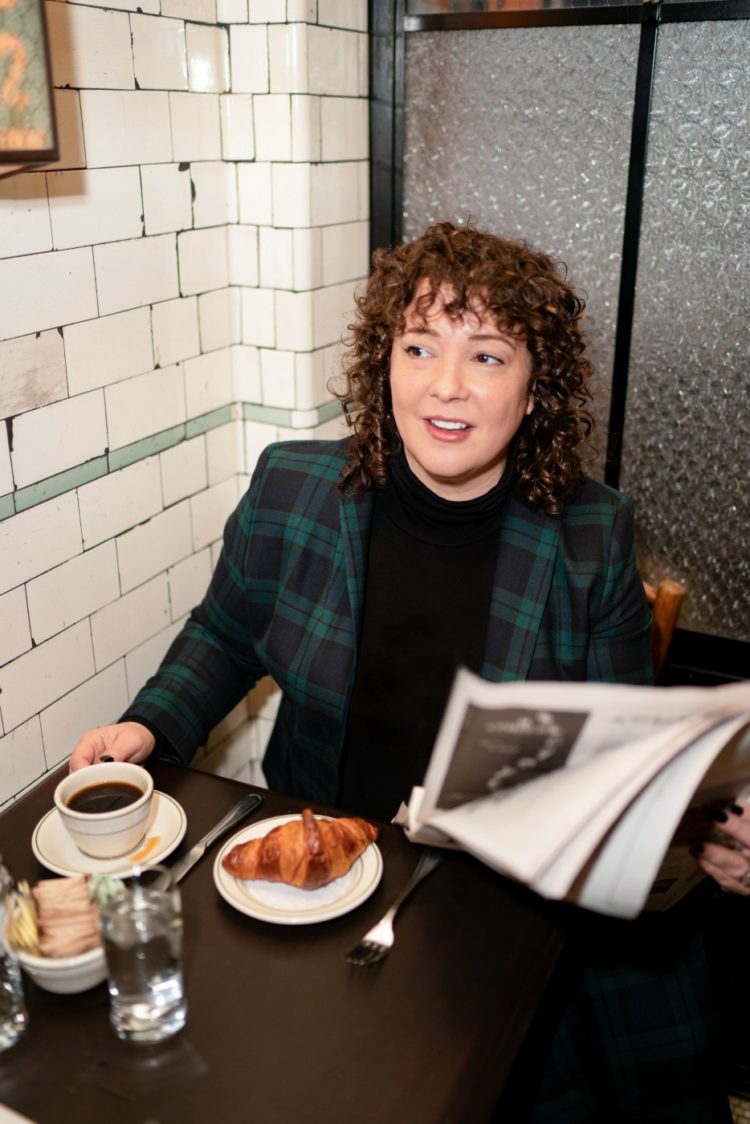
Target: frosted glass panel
686	450
527	132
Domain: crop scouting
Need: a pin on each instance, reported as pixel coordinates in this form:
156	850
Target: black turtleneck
430	569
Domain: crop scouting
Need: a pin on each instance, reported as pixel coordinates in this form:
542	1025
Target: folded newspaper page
588	792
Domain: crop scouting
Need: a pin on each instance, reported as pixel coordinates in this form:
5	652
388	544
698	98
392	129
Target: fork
377	942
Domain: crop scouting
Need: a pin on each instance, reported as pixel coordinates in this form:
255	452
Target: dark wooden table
280	1029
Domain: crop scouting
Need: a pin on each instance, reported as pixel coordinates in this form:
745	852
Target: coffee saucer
54	848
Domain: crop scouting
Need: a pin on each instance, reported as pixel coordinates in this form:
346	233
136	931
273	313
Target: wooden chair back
665	600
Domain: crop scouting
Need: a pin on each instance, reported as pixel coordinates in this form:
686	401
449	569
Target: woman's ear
532	400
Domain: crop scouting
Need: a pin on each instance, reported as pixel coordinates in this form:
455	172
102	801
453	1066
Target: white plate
56	850
287	905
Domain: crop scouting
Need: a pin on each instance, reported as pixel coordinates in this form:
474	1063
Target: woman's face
460	390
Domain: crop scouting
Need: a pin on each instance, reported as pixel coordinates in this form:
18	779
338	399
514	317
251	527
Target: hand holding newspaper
590	792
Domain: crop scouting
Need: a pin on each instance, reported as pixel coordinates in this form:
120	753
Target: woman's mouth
447	428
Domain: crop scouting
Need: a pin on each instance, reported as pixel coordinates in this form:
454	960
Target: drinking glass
142	935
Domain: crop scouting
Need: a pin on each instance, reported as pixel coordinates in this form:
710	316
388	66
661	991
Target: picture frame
28	133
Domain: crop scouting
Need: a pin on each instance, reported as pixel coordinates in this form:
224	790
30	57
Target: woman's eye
489	360
415	350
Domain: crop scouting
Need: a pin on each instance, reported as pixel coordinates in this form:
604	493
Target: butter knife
235	815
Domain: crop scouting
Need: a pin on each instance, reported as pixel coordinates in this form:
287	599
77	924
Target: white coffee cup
117	830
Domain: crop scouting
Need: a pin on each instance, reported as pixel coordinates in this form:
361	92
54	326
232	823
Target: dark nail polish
736	809
696	849
720	817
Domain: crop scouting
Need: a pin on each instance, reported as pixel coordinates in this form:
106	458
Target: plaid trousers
629	1031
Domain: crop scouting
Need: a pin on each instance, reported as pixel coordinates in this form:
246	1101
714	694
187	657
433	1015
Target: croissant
306	853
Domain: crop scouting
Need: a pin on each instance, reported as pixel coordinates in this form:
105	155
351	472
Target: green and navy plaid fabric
286	600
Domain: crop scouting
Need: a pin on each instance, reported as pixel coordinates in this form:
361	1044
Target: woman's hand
125	741
730	867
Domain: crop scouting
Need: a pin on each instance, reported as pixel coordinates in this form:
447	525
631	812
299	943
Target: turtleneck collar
417	510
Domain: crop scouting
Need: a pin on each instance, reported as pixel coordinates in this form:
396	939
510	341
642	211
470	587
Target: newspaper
588	792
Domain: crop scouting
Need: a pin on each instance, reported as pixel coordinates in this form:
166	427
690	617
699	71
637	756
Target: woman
455	526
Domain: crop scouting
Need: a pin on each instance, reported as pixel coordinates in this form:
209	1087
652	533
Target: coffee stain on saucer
148	848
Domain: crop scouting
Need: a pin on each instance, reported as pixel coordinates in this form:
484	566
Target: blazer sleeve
620	627
212	663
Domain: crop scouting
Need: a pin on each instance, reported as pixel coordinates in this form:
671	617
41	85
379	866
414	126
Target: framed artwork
27	120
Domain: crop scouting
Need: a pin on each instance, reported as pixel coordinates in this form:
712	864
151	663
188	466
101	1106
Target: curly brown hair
526	293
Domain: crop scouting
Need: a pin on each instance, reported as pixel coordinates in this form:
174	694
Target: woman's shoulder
592	498
311	457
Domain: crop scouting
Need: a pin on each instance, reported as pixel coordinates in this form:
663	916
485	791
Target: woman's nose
448	381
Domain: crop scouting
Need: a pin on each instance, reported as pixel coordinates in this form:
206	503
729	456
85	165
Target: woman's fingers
729	866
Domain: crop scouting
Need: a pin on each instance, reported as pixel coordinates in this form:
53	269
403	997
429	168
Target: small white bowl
106	835
66	974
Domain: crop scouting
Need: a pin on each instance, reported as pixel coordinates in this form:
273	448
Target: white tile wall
45	674
196	126
208	58
38	539
116	502
219	318
246	374
21	759
67	594
249	54
159	53
224	451
209	203
208	381
144	659
118	628
183	470
136	272
15	634
202	11
334	62
273	126
277	378
211	509
287	55
237	138
46	290
97	702
242	255
154	546
33	372
144	405
188	581
175	326
203	259
343	128
292	186
306	128
214	193
167	200
102	351
24	215
143	134
276	258
258	317
308	258
63	435
101	205
254	191
91	47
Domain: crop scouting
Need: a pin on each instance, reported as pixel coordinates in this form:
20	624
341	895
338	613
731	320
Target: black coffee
105	797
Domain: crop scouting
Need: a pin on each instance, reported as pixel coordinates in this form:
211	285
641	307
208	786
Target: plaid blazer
287	595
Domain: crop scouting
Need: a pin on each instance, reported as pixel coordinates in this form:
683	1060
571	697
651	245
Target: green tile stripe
62	482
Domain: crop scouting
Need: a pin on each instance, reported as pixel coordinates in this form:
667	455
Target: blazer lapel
356	518
526	558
